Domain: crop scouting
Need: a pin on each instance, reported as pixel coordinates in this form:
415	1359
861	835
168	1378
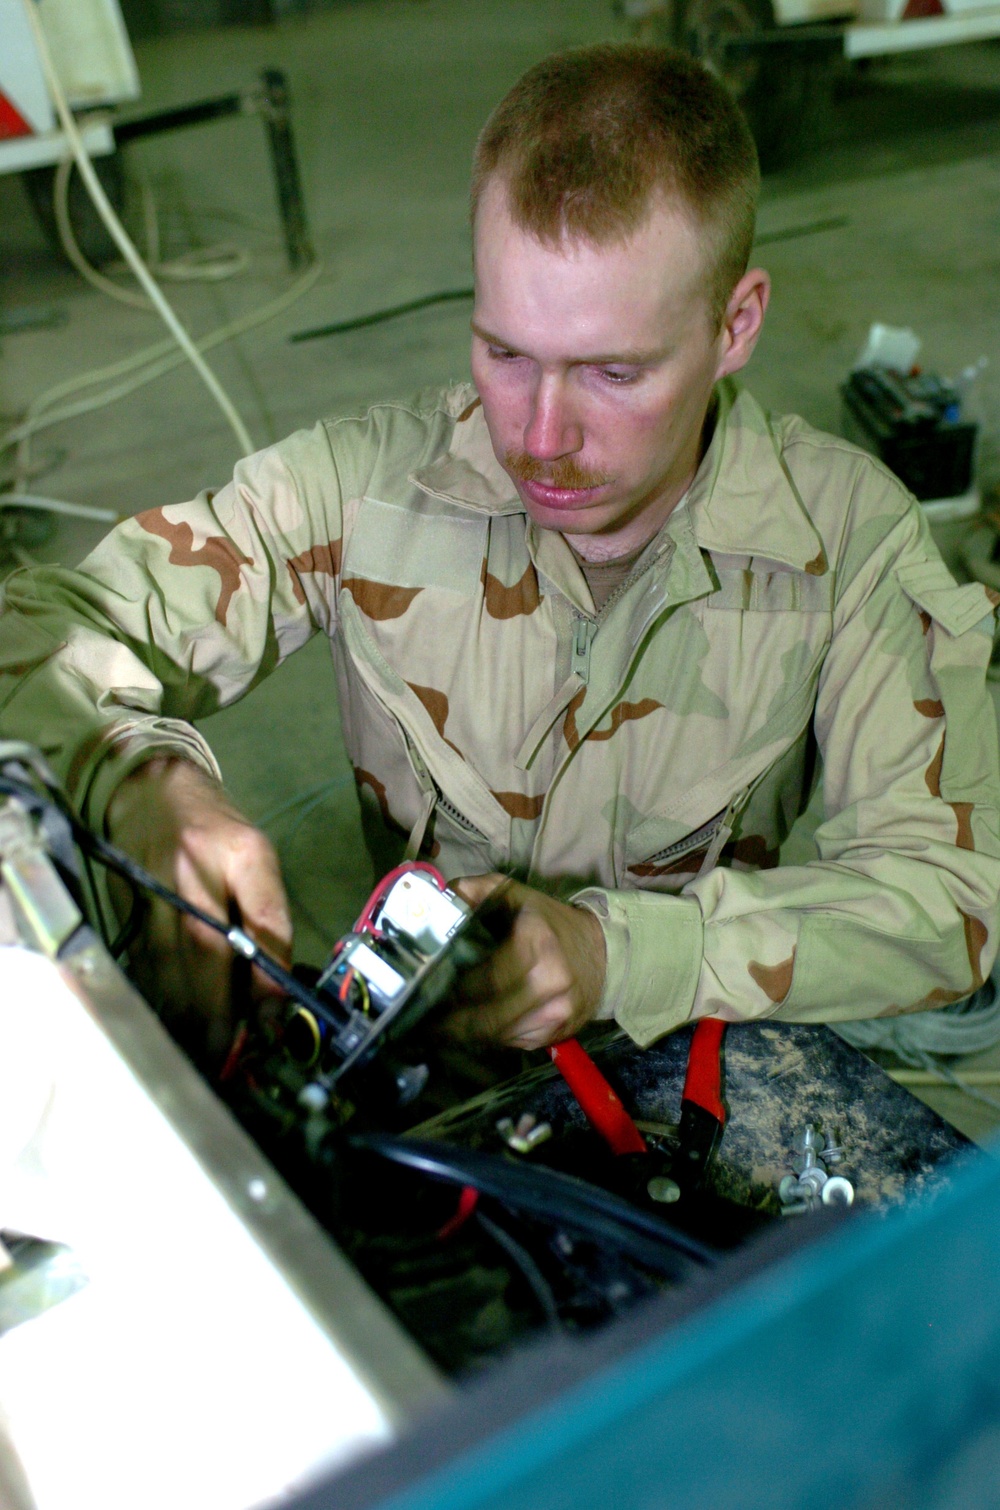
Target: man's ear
743	321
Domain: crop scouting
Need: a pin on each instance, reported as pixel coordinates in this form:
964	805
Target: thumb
475	889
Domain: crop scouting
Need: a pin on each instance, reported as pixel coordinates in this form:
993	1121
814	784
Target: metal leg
277	117
271	101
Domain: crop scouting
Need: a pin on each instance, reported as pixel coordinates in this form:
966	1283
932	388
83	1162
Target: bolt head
663	1190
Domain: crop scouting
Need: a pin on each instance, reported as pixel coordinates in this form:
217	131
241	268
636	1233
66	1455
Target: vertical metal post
277	117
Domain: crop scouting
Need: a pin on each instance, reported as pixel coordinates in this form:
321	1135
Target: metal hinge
44	906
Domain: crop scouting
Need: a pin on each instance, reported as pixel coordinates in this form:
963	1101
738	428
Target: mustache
565	472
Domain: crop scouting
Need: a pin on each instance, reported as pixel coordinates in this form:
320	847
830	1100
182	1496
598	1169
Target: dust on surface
780	1078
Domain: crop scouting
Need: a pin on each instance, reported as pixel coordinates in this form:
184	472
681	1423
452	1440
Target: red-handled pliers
703	1107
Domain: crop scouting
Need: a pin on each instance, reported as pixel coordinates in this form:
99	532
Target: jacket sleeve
177	613
899	911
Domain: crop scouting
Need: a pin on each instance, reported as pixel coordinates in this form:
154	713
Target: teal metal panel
863	1370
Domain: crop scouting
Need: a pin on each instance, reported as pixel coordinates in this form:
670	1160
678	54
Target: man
592	621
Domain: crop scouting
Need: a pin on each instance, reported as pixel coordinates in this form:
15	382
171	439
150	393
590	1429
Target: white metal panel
91	50
863	41
21	78
22	152
794	12
186	1373
879	12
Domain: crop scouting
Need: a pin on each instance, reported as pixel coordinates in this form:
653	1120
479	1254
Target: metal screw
314	1097
838	1192
663	1189
526	1134
257	1190
811	1184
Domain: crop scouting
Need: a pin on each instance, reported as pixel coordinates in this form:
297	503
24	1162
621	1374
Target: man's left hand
543	983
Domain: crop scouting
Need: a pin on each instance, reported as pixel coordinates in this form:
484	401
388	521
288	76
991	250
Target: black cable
129	931
529	1270
450	295
548	1194
117	860
379	316
241	942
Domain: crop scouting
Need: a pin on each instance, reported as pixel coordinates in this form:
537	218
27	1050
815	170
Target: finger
492	1019
475	889
505	971
543	1025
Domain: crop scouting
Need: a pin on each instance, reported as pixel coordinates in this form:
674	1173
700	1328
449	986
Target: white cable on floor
142	367
70	245
208	265
123	241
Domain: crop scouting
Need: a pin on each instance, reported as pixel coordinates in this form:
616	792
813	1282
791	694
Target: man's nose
553	430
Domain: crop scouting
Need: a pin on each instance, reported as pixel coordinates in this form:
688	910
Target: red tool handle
599	1103
703	1081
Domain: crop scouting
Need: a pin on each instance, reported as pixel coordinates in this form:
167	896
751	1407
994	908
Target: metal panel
860	1371
21	78
22	152
402	1381
90	50
865	41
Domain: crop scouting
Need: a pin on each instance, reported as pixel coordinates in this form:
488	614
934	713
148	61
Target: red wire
364	923
237	1046
467	1203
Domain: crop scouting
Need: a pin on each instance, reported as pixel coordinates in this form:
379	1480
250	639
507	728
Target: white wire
147	365
210	264
202	265
122	239
70	245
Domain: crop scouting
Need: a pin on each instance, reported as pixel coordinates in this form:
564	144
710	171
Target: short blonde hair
586	137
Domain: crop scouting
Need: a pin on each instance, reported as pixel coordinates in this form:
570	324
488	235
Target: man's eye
501	354
619	375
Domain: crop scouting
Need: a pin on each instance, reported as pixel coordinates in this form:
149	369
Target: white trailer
96	67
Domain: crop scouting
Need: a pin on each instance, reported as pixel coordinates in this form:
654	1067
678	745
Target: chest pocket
768	634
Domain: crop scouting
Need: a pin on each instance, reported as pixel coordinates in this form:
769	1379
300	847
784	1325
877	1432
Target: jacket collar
742	501
468	473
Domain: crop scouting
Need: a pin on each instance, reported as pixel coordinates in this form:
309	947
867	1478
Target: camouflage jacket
646	760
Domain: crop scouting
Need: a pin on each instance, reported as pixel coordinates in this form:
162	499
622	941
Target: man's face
595	365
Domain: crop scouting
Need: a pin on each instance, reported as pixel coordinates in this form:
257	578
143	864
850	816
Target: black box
914	425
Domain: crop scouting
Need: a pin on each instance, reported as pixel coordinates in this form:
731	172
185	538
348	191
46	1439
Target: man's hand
179	824
543	983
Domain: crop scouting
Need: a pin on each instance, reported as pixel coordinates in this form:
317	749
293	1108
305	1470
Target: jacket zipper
691	842
449	809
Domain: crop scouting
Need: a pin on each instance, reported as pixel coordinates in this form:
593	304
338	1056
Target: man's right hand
179	823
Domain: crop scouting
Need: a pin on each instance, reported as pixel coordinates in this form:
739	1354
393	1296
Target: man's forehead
617	302
665	217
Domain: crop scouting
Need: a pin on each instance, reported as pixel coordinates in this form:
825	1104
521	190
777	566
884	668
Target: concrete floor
388	96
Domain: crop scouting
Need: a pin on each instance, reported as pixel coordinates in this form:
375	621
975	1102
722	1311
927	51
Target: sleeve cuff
655	948
122	747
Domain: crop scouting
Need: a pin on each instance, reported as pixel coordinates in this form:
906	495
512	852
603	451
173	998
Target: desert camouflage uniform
648	759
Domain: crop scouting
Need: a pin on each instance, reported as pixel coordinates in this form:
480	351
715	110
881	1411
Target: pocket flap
930	585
